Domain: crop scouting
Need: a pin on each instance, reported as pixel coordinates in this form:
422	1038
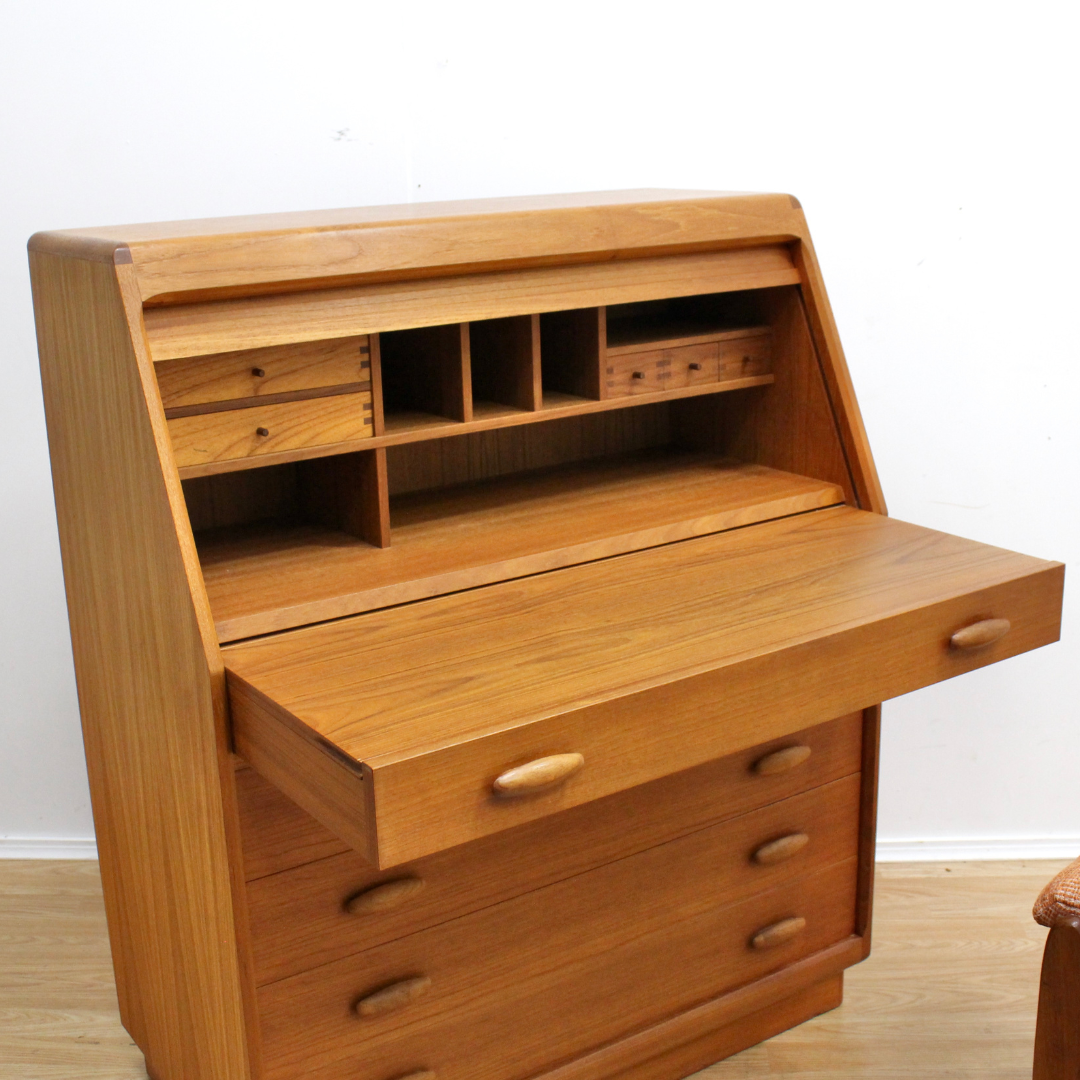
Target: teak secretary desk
480	614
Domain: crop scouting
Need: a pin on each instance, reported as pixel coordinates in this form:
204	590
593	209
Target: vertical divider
348	492
458	390
535	380
601	354
378	419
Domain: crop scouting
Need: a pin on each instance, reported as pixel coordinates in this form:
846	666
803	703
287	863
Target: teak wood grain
663	623
303	921
279	836
227	325
265	579
1057	1032
730	638
573	1007
499	947
258	372
146	663
226	256
270	429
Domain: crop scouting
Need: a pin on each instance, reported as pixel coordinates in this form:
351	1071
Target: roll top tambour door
398	729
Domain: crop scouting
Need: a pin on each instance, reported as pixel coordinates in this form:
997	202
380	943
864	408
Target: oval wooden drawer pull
383	897
538	775
778	850
418	1074
781	760
985	632
393	997
779	933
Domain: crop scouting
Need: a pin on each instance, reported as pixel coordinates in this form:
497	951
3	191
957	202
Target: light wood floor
950	990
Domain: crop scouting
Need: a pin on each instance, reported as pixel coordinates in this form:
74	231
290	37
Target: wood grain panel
225	256
268	578
269	429
280	369
574	1002
302	921
278	835
196	329
148	675
729	638
791	423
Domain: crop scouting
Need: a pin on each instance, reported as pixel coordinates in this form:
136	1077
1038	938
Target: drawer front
282	369
277	835
634	668
267	429
662	369
745	356
301	919
509	1020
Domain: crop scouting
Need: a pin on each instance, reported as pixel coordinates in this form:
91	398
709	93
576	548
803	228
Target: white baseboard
47	847
983	849
978	850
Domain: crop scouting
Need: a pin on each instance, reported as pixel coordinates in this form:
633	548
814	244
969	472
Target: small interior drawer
600	677
267	429
662	369
303	917
507	989
281	369
741	357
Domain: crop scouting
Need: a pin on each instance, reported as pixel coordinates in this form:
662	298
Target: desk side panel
147	685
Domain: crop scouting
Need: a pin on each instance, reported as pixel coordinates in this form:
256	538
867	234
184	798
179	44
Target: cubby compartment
425	377
694	341
570	351
505	362
683	319
535	483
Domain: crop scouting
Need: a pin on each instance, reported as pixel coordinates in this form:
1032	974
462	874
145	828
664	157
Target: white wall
933	146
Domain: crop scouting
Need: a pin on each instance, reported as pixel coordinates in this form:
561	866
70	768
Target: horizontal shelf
641	337
263	578
416	427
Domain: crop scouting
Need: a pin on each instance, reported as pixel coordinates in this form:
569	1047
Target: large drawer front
277	835
303	918
520	986
628	669
207	437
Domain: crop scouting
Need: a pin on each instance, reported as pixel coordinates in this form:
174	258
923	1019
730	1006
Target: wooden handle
781	760
418	1074
985	632
778	850
779	933
393	997
538	775
383	897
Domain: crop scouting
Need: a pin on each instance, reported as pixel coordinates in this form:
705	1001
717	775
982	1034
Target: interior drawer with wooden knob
204	437
651	370
745	355
319	913
264	373
645	665
621	945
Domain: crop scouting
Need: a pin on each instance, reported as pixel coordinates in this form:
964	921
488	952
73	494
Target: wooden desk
480	613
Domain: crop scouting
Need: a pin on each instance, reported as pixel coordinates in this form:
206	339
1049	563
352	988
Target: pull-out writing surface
392	727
